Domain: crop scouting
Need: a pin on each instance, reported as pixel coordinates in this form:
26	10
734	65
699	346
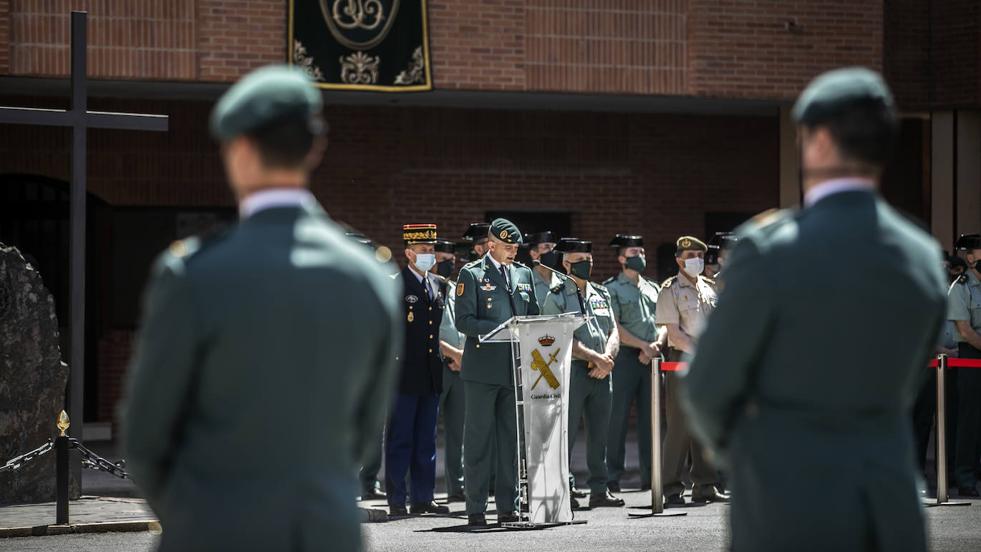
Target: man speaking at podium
491	290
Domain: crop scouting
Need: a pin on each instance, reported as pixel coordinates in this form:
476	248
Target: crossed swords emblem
539	364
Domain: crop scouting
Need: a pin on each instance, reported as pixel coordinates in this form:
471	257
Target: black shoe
372	492
457	497
509	517
476	520
576	493
613	486
397	511
711	494
968	492
674	500
605	500
575	503
429	508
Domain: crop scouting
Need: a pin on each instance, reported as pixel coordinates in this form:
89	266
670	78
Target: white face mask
694	266
425	261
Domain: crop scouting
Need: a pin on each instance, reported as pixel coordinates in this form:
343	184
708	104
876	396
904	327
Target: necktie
429	290
507	286
504	274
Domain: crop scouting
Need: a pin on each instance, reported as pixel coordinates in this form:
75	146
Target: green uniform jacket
964	303
595	333
634	305
806	373
263	369
482	304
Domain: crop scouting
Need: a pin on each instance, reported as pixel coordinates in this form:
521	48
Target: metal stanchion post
940	430
657	482
61	469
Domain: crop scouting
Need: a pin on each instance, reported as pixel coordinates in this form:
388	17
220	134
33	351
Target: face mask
582	269
425	261
549	259
445	268
694	267
637	263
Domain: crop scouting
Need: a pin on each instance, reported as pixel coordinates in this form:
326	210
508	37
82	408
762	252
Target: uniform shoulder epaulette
472	263
962	279
557	288
188	247
667	283
709	280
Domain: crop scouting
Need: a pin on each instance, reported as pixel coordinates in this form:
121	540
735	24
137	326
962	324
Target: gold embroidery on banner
543	367
303	60
359	68
343	16
414	74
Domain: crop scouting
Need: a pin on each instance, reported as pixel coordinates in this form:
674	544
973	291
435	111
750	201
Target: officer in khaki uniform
964	309
685	302
489	291
266	355
594	347
453	399
634	301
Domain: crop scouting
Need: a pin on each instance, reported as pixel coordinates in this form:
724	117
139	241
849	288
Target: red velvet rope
951	363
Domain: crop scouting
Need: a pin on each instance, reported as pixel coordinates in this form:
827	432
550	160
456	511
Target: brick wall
652	174
906	56
739	48
731	48
955	44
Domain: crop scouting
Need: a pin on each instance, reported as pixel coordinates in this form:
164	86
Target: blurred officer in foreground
807	402
489	291
964	310
266	356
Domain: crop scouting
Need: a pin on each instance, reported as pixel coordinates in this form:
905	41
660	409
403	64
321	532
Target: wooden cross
80	120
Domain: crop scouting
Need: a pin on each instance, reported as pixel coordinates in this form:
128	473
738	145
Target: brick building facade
660	117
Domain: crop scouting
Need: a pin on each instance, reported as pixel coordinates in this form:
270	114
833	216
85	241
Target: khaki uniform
688	305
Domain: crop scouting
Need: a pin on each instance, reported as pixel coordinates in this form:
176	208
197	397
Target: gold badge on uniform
410	317
504	234
685	243
459	289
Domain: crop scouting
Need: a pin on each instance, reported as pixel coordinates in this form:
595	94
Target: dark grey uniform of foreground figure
266	356
807	401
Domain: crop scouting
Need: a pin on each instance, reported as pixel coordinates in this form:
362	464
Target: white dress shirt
836	186
275	197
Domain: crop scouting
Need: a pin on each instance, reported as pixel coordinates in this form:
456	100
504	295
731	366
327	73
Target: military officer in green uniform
683	307
453	399
489	291
634	301
805	401
541	251
266	355
594	348
964	310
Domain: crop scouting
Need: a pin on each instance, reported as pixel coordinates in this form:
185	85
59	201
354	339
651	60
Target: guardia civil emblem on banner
375	45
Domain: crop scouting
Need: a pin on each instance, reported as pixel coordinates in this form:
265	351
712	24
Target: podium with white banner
541	348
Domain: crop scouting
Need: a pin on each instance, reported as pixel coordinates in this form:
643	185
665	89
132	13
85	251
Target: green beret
505	230
689	243
267	95
833	92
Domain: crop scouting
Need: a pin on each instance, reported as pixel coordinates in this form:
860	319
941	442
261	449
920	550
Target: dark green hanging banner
376	45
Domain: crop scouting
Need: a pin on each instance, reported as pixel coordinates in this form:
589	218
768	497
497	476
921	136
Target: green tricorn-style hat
627	240
689	243
445	246
574	245
505	230
535	238
476	231
271	94
968	241
831	93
